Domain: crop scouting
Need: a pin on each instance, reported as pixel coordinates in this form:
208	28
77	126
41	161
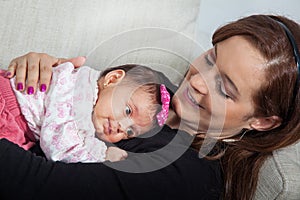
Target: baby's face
122	112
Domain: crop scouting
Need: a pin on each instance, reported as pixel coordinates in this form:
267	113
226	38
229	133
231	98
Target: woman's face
216	95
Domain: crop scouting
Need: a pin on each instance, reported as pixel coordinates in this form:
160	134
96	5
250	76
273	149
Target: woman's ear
113	77
265	123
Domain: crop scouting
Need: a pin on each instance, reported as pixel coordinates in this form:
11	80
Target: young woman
244	93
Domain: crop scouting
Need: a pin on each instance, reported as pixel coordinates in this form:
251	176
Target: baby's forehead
144	102
144	105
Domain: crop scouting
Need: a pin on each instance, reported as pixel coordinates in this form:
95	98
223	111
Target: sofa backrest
159	33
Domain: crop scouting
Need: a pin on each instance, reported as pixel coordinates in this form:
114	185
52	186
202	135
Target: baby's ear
114	77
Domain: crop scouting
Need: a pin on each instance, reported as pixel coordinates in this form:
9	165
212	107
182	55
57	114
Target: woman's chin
182	109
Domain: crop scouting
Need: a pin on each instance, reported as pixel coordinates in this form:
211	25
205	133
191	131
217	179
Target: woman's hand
33	68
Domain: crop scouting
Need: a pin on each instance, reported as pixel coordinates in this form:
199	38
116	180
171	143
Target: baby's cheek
117	137
112	137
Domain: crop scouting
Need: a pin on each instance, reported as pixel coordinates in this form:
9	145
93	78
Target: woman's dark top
166	174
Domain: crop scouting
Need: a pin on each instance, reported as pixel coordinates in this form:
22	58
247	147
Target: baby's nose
114	126
125	123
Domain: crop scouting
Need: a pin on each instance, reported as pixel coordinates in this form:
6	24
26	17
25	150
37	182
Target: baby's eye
129	132
128	110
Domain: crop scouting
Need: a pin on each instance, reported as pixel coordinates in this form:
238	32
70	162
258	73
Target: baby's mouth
107	127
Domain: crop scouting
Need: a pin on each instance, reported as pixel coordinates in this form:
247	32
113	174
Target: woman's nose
199	84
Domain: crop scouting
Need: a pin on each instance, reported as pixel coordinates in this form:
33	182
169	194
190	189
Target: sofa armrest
279	177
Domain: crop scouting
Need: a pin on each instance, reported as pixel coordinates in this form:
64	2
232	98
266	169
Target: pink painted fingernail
20	86
30	90
43	87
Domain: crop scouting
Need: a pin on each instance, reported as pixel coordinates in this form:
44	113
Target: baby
83	109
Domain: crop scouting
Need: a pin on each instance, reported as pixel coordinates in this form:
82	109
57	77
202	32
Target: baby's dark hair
147	79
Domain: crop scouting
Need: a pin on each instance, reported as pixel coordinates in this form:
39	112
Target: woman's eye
128	110
210	58
208	61
222	90
129	132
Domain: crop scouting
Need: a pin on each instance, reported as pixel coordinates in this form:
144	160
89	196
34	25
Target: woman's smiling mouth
191	100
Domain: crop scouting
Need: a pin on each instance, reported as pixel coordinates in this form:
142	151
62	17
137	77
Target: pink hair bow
162	116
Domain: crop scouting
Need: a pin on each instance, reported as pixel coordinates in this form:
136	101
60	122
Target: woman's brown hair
242	160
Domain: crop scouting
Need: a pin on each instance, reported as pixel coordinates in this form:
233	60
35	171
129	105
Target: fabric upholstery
280	175
151	32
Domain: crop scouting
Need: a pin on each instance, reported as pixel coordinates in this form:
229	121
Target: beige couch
160	33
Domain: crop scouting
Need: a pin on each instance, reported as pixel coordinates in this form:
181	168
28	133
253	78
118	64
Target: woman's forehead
243	64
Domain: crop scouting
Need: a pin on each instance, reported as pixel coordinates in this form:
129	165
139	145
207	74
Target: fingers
33	63
21	71
10	72
60	61
33	69
46	73
77	61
